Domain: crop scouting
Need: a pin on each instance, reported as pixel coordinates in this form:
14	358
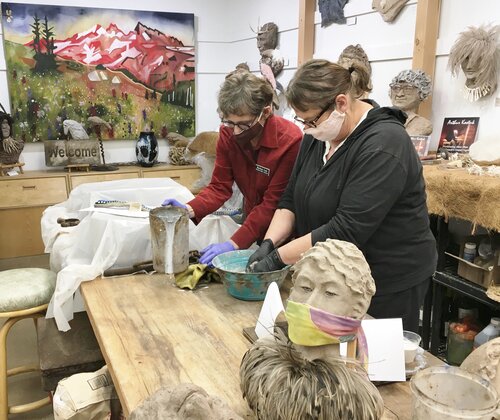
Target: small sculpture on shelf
97	124
11	148
407	91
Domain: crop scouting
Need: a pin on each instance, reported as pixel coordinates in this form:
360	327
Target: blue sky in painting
69	20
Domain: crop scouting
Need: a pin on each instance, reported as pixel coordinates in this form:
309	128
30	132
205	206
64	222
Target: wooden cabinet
77	179
22	202
184	175
23	199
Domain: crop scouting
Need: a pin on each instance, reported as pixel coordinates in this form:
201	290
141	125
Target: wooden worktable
152	334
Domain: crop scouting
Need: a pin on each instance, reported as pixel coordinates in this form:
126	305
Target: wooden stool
24	293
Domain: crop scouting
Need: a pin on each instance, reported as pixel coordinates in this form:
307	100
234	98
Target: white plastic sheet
105	240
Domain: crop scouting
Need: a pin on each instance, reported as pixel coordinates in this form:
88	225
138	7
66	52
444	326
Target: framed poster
458	133
126	70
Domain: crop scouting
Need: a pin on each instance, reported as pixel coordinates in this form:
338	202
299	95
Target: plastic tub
231	267
447	392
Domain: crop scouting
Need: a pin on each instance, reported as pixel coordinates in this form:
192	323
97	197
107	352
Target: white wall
389	47
225	38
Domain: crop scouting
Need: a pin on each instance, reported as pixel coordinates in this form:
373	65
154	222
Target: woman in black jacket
357	178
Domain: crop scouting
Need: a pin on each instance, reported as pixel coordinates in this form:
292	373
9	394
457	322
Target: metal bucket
447	392
169	239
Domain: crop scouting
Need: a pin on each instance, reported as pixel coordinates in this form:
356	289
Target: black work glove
271	262
265	248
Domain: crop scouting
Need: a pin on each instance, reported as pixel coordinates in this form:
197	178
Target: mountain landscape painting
115	72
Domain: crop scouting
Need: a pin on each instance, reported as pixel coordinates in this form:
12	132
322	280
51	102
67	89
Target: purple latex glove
211	251
173	202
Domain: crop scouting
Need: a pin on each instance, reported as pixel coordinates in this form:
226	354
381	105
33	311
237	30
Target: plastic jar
491	331
447	392
461	335
469	251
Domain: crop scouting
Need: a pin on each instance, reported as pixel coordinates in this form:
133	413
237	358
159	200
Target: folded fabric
190	277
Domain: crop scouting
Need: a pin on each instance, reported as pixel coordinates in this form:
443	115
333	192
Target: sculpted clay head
356	54
267	37
6	125
183	402
485	361
477	53
334	276
409	88
282	380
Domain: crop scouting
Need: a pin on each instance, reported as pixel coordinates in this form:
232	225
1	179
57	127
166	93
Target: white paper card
271	308
386	359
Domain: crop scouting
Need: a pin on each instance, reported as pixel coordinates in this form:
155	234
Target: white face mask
329	129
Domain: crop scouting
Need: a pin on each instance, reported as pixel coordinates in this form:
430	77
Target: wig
477	46
417	78
279	384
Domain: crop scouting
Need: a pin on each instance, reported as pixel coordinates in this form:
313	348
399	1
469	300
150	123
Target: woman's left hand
211	251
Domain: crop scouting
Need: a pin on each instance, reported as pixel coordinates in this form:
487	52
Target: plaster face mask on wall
329	129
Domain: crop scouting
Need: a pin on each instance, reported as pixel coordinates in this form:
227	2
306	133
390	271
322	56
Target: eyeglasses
243	126
312	123
406	89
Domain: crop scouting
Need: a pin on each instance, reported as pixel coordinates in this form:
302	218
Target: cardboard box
484	277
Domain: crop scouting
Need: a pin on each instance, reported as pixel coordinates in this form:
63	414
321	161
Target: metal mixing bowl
240	284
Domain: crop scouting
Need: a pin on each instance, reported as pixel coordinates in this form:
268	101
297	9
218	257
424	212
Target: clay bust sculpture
303	376
407	91
11	148
485	361
267	37
183	402
389	9
477	52
356	54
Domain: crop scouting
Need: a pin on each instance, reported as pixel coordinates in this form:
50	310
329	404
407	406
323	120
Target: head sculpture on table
407	91
477	52
304	374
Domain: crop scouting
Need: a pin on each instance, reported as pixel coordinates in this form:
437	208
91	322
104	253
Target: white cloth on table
103	240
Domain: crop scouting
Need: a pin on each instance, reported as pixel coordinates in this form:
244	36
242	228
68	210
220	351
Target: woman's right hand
173	202
265	248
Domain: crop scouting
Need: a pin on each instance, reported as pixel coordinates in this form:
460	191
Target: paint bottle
469	251
491	331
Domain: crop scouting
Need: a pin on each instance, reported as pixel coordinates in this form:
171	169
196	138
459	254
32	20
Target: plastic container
469	251
447	392
491	331
461	335
169	239
411	342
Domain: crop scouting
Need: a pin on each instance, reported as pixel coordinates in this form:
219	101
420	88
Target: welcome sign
71	152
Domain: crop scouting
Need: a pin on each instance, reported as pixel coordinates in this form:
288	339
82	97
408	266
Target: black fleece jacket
371	192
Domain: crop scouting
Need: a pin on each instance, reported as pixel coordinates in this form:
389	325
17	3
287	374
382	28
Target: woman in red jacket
255	149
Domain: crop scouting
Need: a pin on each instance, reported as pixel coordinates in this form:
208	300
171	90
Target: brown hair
244	93
317	82
356	54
